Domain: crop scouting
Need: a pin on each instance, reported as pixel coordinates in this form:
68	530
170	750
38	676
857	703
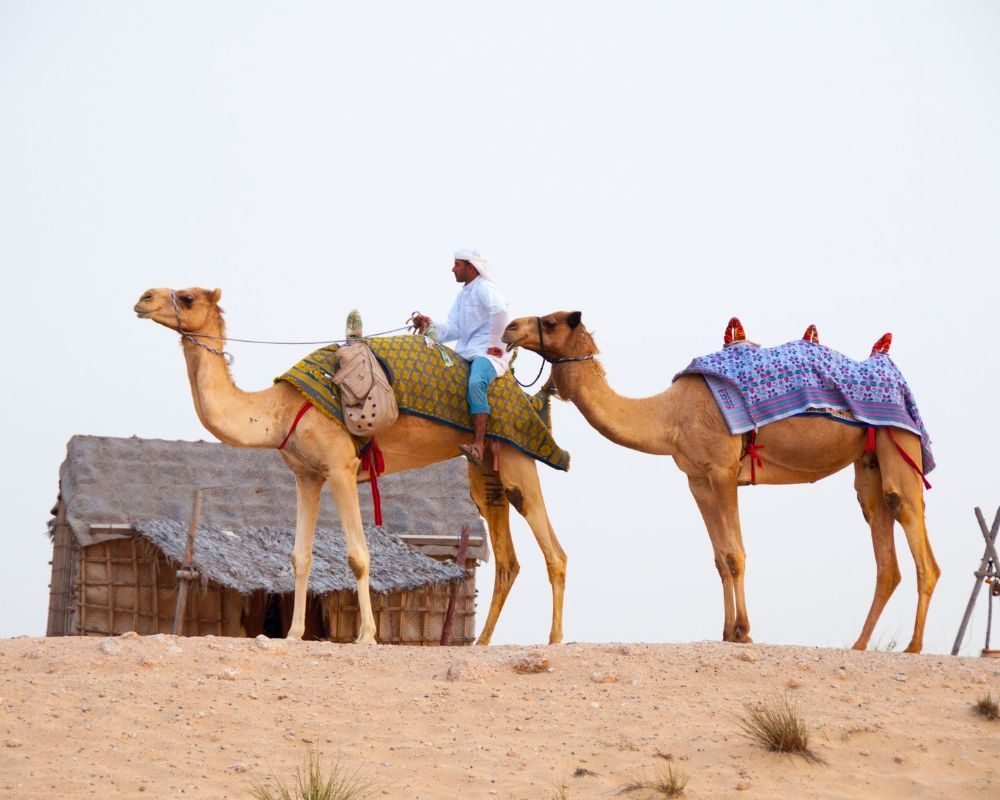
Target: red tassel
811	335
882	345
753	449
870	441
372	461
734	332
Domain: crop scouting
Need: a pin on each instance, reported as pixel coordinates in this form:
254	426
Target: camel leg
307	492
717	502
524	491
487	494
868	483
904	495
343	479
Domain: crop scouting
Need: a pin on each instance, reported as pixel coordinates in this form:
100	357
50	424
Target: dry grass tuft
312	784
560	791
988	707
777	727
666	783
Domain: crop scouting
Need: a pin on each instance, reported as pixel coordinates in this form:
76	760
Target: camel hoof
294	636
365	639
914	647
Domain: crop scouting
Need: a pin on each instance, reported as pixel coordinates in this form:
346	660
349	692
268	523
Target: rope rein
229	356
323	341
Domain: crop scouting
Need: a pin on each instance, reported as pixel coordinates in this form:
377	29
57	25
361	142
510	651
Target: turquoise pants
481	375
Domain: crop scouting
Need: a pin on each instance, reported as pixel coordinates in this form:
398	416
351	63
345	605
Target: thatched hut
120	529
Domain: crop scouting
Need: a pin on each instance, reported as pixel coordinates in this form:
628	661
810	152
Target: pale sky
659	166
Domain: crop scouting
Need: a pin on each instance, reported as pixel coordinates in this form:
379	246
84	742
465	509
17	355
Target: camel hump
734	332
811	335
882	345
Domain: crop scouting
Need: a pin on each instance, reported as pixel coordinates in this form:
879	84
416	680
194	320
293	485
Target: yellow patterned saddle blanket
431	382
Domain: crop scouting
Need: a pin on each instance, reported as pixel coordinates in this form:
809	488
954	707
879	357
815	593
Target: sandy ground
161	716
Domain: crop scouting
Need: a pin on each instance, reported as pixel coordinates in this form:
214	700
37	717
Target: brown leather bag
366	395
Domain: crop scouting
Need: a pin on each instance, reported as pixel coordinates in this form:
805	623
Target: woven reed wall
411	618
127	585
61	605
123	585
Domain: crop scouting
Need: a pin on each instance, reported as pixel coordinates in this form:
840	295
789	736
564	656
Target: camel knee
507	574
734	564
930	576
888	578
557	571
894	502
301	563
359	566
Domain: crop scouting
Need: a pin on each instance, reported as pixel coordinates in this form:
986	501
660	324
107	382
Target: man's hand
420	322
494	351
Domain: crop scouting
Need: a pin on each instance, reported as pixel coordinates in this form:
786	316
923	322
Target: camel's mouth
510	346
141	314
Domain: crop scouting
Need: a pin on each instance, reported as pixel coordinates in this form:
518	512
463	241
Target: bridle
177	311
545	358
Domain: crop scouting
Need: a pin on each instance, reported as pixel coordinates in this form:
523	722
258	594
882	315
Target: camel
320	451
684	421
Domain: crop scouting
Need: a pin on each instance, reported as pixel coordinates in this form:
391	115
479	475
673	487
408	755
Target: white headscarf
478	260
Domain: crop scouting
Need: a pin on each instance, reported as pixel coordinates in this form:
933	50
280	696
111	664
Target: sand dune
162	716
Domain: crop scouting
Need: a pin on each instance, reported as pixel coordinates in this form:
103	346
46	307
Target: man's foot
473	452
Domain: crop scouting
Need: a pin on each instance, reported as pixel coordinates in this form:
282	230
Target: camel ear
216	295
574	318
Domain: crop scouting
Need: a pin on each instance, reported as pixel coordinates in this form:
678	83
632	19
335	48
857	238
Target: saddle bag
366	395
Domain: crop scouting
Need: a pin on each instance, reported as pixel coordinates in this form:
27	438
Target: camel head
560	335
193	310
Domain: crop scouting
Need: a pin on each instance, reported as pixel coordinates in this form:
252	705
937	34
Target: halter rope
566	360
228	357
545	358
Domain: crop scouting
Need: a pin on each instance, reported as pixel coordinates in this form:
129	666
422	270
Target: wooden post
985	569
186	574
449	617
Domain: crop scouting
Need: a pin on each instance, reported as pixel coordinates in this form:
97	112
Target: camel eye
548	324
187	300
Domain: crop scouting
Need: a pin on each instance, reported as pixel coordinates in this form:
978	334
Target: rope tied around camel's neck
227	357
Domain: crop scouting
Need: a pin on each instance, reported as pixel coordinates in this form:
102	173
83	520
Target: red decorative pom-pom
811	335
734	332
882	345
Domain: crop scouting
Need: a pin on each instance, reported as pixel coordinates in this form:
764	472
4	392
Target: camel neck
233	416
623	420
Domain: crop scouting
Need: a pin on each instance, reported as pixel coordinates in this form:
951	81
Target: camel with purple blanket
795	419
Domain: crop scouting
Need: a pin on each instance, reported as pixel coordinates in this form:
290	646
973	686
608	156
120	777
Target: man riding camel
476	321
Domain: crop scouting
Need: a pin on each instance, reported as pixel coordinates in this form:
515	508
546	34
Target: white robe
476	322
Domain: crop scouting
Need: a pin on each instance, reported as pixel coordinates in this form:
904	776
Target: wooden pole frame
449	617
988	566
186	574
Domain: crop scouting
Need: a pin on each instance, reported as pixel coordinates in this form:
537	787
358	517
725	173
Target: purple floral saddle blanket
758	385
